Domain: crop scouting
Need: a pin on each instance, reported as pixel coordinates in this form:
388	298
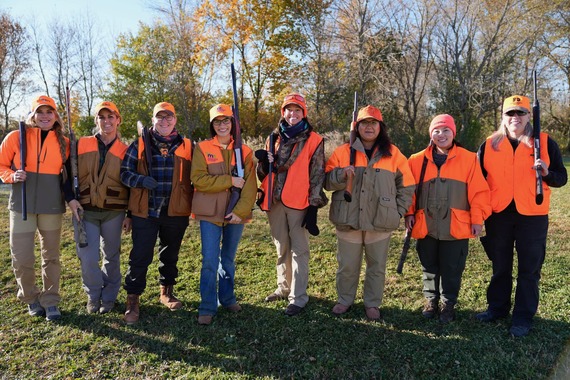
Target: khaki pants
292	243
349	257
22	235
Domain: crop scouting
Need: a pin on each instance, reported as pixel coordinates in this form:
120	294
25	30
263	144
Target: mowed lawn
261	342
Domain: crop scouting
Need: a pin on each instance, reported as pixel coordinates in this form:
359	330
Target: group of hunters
153	186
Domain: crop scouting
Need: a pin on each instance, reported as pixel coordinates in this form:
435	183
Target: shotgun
405	250
536	132
238	170
350	176
23	151
270	174
82	235
144	133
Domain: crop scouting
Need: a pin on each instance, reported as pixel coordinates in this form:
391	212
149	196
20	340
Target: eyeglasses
516	112
368	122
296	97
161	118
218	122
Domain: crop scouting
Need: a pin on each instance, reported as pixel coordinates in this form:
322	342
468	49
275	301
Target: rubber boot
132	314
168	299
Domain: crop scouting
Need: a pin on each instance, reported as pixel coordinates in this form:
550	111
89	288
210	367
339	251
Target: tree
14	65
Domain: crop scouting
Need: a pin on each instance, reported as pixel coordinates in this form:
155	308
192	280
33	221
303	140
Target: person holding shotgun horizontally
519	219
160	203
102	203
450	204
297	174
382	190
212	175
47	151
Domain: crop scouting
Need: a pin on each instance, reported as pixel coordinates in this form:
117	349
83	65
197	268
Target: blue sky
114	16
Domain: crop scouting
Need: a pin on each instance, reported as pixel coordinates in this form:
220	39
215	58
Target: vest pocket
204	204
387	217
460	224
420	231
338	213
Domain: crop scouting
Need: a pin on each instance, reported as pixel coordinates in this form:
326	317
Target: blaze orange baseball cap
163	106
220	110
297	99
107	105
444	120
369	112
516	102
43	100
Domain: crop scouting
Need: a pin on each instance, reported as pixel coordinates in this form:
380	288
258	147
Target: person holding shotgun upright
450	204
519	218
102	203
160	202
382	188
47	151
297	172
213	176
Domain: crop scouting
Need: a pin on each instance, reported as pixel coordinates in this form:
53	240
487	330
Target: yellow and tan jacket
212	166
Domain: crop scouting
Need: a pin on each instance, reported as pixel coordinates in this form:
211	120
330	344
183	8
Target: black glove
310	221
149	183
262	158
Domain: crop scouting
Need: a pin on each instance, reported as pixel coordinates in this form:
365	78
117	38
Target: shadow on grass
262	341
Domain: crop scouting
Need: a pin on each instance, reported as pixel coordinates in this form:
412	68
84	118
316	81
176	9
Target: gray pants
103	229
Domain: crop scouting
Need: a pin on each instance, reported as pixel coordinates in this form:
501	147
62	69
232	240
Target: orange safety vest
510	176
182	192
295	192
102	189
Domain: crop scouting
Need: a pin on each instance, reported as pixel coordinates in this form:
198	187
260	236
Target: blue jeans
212	289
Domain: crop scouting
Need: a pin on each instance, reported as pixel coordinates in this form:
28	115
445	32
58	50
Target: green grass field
261	342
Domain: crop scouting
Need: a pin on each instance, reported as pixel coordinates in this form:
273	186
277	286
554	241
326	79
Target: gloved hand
262	158
261	155
310	221
149	183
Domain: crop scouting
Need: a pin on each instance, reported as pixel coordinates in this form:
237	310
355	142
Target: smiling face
108	123
45	118
368	130
223	128
293	114
442	137
164	122
515	121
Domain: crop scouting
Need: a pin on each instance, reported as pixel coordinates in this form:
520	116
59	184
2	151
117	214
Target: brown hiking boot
431	308
447	313
132	314
168	299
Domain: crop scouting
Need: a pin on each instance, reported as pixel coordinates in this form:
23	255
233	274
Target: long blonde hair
525	138
57	128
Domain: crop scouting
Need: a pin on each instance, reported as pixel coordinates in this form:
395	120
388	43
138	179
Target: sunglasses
296	97
516	112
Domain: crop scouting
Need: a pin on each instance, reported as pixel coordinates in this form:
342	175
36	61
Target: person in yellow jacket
160	203
213	176
102	203
47	152
381	194
510	167
450	205
297	171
